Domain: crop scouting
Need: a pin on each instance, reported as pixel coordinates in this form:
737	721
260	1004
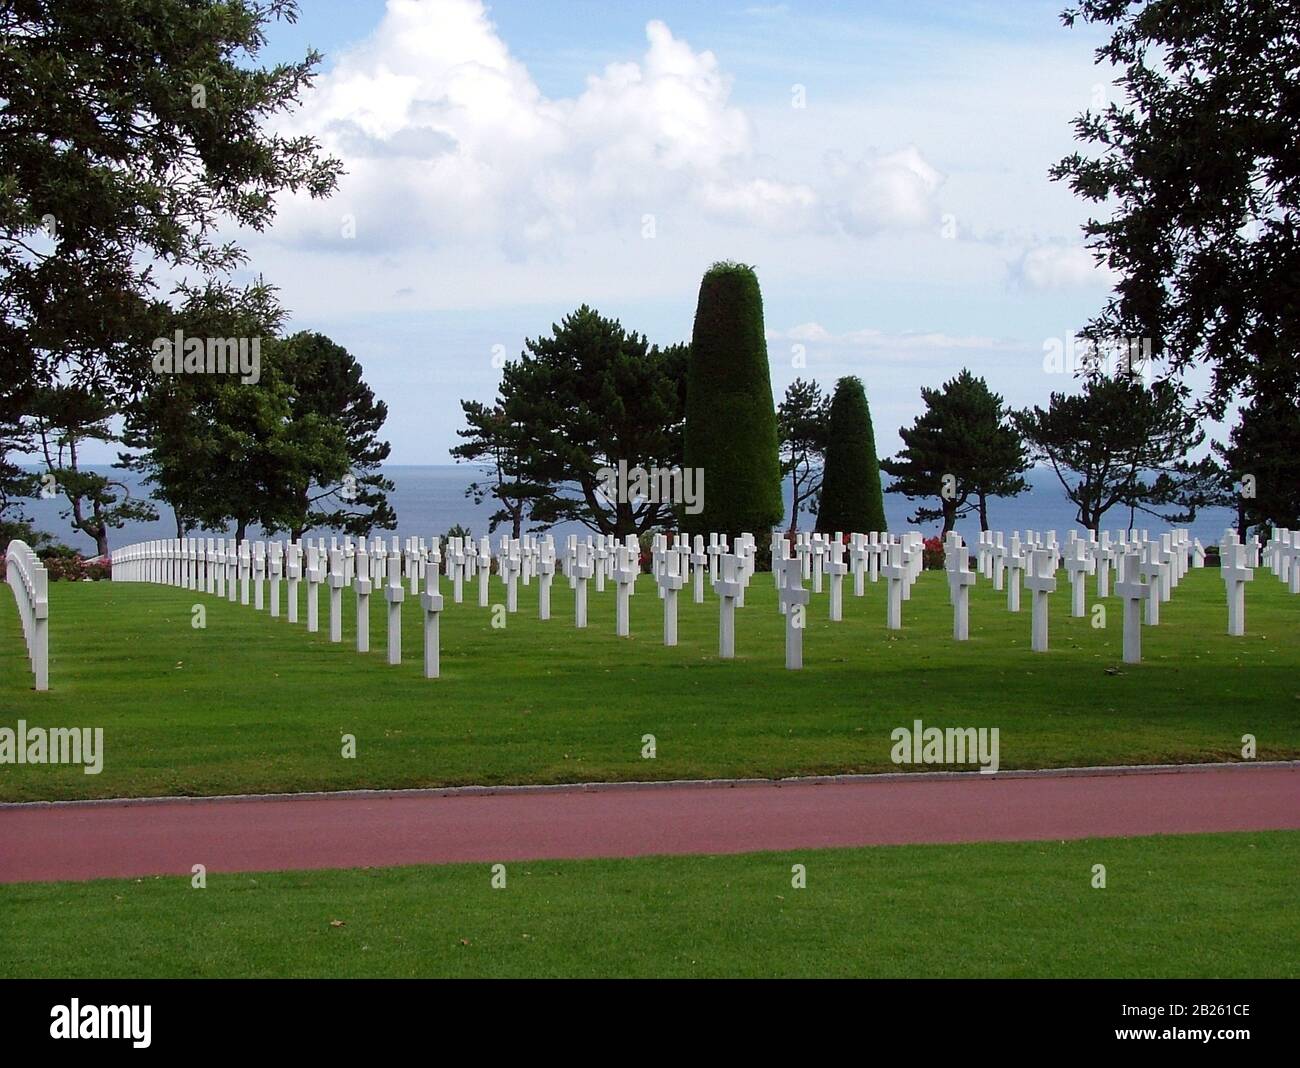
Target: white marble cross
394	594
220	568
794	603
293	572
1235	576
433	569
414	558
624	575
984	553
582	571
275	557
210	566
457	560
483	561
960	580
336	580
1015	572
699	561
669	580
858	554
999	551
431	602
545	564
1042	581
1168	577
634	554
1134	592
509	563
896	573
1105	557
727	586
601	556
1078	565
245	570
1291	554
315	575
362	586
913	560
1152	570
837	569
778	553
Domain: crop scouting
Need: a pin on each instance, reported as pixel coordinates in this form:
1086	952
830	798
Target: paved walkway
111	839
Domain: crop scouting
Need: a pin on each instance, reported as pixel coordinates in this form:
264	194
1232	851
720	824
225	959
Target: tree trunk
984	512
949	517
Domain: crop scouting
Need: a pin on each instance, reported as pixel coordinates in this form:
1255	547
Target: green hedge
851	500
731	428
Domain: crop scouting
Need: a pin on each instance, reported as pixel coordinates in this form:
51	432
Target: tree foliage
962	450
501	449
581	400
1117	442
731	425
278	453
127	132
803	421
851	498
1199	165
61	419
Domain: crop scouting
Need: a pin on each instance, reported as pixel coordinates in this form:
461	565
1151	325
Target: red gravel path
257	834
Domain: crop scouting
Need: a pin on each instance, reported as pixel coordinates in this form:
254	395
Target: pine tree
961	450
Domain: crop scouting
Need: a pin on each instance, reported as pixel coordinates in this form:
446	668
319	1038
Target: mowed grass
1188	906
252	704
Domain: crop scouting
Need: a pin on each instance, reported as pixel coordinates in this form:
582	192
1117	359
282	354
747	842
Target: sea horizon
430	499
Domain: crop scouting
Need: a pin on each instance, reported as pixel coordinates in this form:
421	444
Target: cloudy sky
884	170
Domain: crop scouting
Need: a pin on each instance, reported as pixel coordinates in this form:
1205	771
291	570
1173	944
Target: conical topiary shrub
851	499
731	429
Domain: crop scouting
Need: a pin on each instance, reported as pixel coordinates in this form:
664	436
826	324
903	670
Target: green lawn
1190	906
252	704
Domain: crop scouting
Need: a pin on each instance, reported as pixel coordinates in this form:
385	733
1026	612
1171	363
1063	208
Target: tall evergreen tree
851	500
731	426
961	451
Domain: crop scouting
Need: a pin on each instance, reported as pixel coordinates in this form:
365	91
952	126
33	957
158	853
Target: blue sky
883	165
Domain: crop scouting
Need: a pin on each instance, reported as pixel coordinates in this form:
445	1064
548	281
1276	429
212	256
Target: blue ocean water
430	499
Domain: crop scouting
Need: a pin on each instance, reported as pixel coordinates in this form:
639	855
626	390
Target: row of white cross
27	576
1146	570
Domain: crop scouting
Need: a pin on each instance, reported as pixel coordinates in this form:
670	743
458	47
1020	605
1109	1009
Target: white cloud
447	140
869	338
1059	266
895	190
